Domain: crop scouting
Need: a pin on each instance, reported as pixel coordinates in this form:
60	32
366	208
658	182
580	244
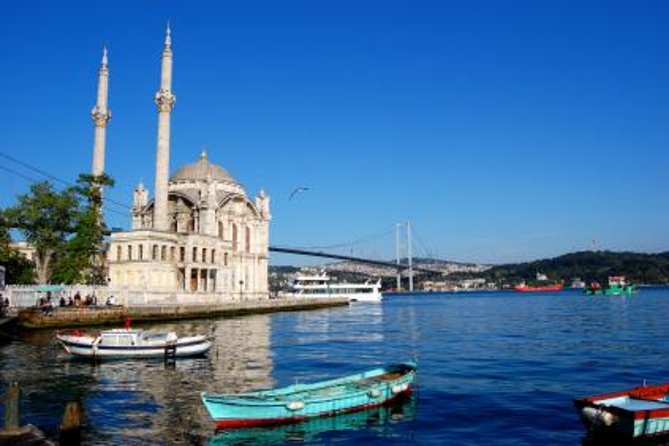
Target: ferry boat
320	286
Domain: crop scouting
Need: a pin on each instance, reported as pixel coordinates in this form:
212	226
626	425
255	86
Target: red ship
526	288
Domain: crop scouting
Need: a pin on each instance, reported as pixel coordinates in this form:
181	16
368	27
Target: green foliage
589	266
44	217
65	228
19	270
82	258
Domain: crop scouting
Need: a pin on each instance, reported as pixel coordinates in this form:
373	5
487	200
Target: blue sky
504	130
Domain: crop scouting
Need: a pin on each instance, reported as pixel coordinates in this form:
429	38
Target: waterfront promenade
63	317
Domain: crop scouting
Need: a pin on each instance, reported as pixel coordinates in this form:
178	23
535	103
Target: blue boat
300	402
381	419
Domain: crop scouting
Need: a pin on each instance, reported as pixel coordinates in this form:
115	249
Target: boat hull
531	289
642	412
301	402
84	347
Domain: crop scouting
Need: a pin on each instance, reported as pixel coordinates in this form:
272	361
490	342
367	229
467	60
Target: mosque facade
201	239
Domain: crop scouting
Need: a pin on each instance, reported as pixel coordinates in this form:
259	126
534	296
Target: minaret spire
165	101
168	36
101	114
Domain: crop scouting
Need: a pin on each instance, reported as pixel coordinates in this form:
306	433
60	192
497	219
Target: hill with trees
589	266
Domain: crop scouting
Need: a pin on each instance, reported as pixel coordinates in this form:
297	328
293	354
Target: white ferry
319	286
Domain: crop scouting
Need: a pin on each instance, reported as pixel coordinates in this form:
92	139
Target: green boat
617	286
300	402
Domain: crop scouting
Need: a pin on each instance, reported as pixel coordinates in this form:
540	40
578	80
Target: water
494	368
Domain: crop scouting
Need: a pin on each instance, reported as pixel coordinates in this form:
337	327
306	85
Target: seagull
297	191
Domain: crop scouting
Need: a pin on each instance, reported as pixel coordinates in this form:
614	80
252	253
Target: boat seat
633	404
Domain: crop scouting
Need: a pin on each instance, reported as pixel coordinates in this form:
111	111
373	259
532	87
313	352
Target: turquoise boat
381	419
300	402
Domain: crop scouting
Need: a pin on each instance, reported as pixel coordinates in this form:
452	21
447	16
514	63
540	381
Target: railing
24	296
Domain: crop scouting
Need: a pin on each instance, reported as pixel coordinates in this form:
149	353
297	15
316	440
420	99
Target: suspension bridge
403	250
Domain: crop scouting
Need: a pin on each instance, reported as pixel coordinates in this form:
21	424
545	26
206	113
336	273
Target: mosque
201	239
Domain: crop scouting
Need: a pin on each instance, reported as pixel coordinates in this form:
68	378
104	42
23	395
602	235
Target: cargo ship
540	285
527	288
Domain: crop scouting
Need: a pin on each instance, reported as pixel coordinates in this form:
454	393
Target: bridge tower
398	249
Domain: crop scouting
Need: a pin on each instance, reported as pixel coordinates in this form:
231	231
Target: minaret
165	102
101	116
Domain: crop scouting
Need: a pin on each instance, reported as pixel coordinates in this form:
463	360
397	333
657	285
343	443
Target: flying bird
297	191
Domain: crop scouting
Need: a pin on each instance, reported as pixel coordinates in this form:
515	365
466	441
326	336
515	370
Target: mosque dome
202	170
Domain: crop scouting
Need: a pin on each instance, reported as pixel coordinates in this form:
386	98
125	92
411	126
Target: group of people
90	300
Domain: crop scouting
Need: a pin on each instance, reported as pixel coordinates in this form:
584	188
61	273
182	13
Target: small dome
201	171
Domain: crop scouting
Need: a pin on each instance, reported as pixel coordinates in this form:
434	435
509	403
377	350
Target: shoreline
65	317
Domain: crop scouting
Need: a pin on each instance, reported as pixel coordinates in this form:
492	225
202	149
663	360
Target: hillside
639	268
588	265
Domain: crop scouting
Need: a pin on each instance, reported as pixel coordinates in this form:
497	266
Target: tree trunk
42	266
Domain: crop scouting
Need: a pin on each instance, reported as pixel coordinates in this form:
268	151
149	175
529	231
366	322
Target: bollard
70	428
12	400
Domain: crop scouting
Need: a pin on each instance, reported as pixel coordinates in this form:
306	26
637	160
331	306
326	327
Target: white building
201	239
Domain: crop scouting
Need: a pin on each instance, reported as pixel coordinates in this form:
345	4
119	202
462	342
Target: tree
83	260
19	270
45	218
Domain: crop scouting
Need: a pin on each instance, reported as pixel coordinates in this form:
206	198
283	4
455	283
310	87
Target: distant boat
617	285
527	288
541	285
300	402
320	286
577	283
641	412
132	343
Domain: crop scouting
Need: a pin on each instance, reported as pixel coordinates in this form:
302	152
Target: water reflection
378	420
128	400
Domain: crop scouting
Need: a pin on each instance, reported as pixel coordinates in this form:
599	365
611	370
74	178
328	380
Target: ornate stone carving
100	116
165	100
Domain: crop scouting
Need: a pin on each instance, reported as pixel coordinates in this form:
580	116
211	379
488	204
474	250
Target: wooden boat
300	402
313	430
132	343
642	412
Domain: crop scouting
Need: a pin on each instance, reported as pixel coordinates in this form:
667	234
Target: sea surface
495	368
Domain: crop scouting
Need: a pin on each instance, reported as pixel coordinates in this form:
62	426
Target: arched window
182	254
154	253
225	259
194	254
129	252
163	253
220	229
118	253
234	237
213	256
247	237
141	252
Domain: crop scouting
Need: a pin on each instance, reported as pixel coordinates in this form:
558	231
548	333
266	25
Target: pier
66	317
